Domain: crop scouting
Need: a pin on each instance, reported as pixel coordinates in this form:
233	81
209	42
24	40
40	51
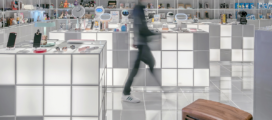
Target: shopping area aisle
230	83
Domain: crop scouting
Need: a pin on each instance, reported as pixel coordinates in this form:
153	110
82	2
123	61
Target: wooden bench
209	110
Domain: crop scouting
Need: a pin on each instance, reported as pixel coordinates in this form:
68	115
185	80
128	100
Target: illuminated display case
182	59
53	85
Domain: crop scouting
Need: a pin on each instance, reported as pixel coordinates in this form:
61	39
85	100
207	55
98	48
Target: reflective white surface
169	59
29	69
233	91
29	100
59	74
57	100
7	69
85	69
120	76
107	37
169	42
169	77
225	42
85	101
185	41
88	36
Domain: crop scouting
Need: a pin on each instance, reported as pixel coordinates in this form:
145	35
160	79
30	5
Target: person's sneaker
130	98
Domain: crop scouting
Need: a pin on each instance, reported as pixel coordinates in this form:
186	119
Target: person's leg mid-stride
145	55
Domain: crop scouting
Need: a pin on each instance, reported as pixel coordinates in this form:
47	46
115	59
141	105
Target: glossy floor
230	83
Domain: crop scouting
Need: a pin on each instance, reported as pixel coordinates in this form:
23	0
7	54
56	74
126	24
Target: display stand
69	85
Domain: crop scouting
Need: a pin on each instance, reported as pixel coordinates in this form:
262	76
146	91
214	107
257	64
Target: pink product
83	48
92	48
40	51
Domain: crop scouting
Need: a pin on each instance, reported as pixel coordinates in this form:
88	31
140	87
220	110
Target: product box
241	5
127	5
246	5
236	5
162	15
181	6
260	5
115	16
251	6
265	6
157	18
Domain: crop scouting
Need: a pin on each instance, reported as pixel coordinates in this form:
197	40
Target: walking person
141	33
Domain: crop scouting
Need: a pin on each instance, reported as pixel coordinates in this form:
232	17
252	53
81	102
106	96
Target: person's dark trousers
145	55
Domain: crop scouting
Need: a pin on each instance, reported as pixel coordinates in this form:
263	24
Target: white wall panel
59	36
236	55
169	77
225	30
109	77
248	42
205	28
57	100
185	59
29	100
201	77
57	69
29	69
91	36
169	42
85	69
214	54
225	42
107	37
120	76
157	57
85	101
7	69
248	55
109	59
185	41
169	59
185	77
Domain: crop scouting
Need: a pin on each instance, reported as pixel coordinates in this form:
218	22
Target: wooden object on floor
209	110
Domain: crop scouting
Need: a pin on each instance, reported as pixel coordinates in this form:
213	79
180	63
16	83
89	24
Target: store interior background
230	68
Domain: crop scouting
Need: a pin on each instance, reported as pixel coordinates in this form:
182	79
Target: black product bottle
200	5
168	5
207	15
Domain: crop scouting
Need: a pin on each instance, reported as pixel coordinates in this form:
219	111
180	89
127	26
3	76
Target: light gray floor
233	86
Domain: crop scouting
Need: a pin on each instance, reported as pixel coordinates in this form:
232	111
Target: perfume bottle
75	3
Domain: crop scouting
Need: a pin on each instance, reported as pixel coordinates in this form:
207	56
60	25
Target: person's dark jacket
141	31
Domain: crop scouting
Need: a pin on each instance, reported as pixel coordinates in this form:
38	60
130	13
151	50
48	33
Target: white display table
53	84
182	59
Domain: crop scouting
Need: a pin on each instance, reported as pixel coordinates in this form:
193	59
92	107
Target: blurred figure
141	32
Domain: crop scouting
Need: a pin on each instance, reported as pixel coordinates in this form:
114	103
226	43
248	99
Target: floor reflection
230	83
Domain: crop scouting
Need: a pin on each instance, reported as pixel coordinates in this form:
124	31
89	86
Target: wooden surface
208	110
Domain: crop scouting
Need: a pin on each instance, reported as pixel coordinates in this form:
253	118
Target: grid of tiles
53	86
182	59
234	43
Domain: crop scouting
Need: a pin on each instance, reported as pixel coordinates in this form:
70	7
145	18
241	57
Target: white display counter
53	84
182	59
